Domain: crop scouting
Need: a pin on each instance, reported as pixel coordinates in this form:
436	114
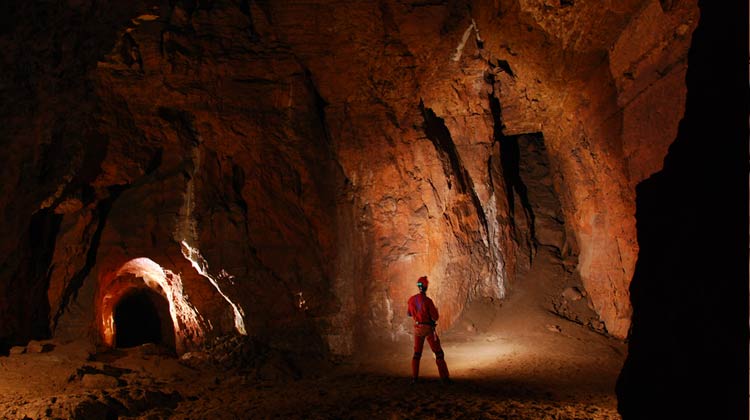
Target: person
425	315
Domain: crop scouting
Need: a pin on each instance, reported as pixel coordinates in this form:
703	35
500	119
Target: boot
414	370
443	370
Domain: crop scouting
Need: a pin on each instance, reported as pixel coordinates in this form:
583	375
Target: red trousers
422	332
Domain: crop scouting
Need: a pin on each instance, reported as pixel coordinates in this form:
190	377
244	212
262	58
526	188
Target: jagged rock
39	347
572	294
554	328
34	347
16	350
195	359
98	403
98	381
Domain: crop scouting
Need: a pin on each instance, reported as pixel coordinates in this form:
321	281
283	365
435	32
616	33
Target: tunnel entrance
534	207
142	316
547	257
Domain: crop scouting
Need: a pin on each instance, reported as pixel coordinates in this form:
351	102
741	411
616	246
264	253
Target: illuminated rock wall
300	164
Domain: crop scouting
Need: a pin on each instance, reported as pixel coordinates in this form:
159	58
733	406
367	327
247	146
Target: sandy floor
512	360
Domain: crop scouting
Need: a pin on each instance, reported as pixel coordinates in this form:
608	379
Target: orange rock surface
319	156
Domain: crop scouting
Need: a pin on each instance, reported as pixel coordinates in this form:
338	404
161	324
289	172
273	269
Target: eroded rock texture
293	167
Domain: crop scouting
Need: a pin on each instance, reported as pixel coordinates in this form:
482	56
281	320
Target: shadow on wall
689	338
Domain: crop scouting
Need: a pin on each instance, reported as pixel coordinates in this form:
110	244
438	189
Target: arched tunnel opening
142	316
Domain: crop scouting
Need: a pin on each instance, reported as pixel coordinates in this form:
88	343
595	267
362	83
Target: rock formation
287	170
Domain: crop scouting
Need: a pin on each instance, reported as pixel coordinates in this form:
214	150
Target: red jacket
422	309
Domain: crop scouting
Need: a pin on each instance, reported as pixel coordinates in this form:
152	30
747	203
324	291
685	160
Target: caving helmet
422	284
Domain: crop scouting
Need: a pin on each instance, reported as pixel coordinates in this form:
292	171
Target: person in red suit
425	315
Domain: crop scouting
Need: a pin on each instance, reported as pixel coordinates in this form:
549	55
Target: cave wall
689	340
216	140
320	158
585	87
47	132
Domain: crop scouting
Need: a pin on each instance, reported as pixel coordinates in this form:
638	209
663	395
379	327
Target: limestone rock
16	350
572	294
39	347
98	381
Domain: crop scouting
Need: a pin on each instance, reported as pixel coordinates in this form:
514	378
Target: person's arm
433	311
408	308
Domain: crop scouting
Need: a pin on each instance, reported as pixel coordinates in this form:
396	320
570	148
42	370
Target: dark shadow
510	158
366	395
688	344
440	136
141	317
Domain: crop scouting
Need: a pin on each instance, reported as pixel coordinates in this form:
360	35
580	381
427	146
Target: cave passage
537	218
141	317
536	192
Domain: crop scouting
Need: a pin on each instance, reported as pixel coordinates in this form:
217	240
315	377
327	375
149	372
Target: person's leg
418	346
434	341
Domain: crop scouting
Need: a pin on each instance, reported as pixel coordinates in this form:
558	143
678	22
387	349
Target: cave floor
513	360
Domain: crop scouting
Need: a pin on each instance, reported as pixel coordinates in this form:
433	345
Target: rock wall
48	137
560	75
299	164
692	263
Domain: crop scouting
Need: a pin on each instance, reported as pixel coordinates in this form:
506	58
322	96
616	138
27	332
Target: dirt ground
509	360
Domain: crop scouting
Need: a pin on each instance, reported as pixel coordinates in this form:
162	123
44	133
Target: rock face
287	170
689	292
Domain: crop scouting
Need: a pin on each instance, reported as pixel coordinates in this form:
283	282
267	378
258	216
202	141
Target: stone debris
245	354
39	347
16	350
98	381
572	294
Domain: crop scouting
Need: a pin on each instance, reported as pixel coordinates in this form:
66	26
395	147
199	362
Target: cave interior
203	198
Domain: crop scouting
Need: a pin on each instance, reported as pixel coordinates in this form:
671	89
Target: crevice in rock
519	208
666	5
155	161
440	137
251	32
320	105
130	52
510	154
25	302
504	66
238	182
265	7
182	122
50	166
43	230
522	224
101	212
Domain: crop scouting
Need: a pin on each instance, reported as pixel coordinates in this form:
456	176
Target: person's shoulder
412	298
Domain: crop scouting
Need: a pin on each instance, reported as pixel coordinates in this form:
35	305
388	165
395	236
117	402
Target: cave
532	199
140	317
239	197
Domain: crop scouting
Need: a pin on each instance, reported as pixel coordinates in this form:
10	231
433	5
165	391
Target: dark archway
142	316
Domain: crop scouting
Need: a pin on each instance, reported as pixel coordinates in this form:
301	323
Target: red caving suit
424	312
